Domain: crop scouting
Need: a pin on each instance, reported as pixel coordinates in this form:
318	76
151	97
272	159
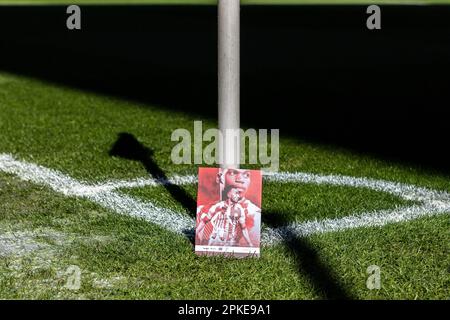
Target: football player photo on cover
228	212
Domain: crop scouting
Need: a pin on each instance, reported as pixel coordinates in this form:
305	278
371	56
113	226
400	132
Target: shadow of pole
325	282
128	147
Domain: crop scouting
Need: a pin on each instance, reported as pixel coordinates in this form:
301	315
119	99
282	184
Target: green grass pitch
42	232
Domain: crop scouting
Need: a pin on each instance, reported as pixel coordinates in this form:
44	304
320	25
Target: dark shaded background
315	72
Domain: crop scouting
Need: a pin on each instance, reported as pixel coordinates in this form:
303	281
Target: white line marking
165	218
405	191
374	219
432	202
145	182
168	219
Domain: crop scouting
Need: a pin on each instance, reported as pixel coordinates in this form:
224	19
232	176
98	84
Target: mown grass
121	257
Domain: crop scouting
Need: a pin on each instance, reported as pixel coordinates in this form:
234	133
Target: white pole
229	82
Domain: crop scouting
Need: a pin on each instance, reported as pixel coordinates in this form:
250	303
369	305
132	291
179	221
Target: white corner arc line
365	220
165	218
432	202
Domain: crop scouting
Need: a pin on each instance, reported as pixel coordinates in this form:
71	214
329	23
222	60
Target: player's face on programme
238	179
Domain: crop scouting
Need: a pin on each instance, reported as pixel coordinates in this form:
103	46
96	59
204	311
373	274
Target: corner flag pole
229	82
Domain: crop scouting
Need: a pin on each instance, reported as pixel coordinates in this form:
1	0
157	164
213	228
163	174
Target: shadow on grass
314	72
128	147
309	262
325	283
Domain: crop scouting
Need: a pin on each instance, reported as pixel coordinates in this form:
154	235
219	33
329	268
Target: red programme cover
228	212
